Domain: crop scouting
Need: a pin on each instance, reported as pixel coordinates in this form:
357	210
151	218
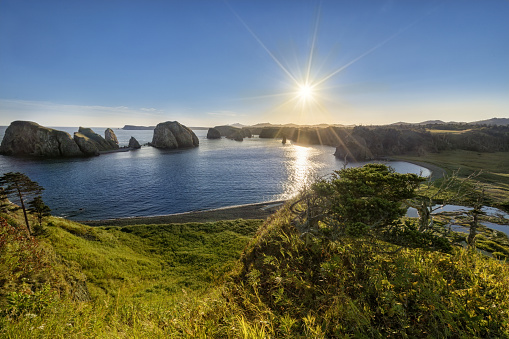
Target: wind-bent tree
434	195
19	185
39	209
476	200
356	199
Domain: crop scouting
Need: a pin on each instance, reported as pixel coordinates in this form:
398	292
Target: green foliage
21	258
361	201
19	185
407	234
349	287
40	210
26	302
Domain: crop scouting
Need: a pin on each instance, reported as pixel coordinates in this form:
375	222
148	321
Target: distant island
137	128
151	128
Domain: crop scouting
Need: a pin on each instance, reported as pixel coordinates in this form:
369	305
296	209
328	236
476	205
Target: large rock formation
232	132
92	143
86	145
213	134
172	134
353	149
110	137
30	138
133	143
237	136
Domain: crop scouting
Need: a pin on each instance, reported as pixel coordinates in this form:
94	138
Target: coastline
249	211
260	210
437	172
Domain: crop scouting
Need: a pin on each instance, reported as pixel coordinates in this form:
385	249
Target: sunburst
306	92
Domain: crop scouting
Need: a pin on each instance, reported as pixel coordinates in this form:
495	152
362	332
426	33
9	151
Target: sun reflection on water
302	170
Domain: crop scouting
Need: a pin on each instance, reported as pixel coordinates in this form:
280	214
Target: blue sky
208	62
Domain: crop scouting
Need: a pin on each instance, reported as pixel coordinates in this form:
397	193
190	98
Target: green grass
438	131
144	260
186	281
494	167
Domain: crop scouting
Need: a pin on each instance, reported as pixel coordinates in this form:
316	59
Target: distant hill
492	121
238	125
431	122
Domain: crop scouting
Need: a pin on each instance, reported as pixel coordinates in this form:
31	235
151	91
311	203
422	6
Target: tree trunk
24	209
473	230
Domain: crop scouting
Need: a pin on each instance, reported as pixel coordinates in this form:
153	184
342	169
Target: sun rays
311	87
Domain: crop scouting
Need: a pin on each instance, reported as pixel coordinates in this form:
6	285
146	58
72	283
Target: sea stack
133	143
32	139
213	133
172	134
110	137
92	143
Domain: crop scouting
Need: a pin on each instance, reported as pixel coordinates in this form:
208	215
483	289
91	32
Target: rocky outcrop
213	134
246	132
235	133
133	143
86	145
110	137
353	149
101	143
30	138
172	134
91	143
237	136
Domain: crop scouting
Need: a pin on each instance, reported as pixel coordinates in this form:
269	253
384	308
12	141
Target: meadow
493	168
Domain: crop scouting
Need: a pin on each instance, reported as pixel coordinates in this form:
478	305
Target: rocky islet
27	138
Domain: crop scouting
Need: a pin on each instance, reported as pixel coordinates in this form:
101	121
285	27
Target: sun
305	91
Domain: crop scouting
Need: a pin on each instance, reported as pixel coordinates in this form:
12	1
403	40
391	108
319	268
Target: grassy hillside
143	280
169	281
143	260
290	286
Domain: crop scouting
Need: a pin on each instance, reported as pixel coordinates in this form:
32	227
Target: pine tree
39	208
20	186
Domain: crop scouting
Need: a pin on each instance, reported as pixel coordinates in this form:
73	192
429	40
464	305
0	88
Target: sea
150	181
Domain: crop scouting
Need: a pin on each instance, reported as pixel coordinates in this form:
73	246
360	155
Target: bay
151	181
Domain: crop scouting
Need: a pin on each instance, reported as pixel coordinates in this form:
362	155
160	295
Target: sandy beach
249	211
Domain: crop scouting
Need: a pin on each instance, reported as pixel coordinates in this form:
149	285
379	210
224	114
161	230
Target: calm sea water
150	181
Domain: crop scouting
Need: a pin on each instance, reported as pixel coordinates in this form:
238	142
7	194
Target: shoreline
260	210
437	172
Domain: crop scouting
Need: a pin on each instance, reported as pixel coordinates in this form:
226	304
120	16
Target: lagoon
151	181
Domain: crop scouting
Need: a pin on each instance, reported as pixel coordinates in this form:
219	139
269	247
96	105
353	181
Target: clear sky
208	62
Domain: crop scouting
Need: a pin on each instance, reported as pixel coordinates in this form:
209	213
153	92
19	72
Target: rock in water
110	137
30	138
213	134
237	136
92	143
133	143
86	145
172	134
